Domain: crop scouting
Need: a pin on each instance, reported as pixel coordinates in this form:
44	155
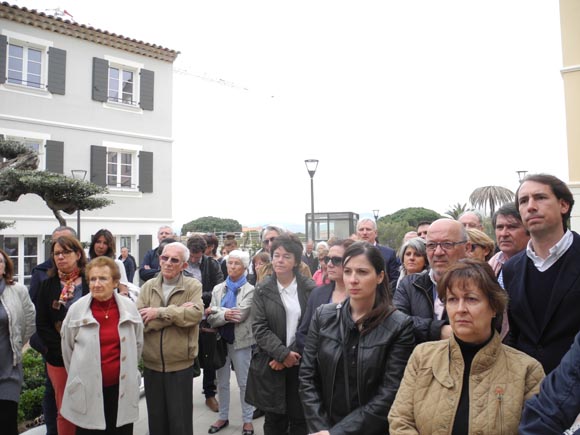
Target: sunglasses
336	261
270	240
172	260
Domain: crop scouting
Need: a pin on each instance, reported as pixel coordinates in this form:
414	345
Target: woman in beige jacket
470	383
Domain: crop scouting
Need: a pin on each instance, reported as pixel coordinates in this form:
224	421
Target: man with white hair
471	219
171	308
150	264
366	230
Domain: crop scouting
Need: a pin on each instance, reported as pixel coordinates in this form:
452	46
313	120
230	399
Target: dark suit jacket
392	263
319	296
547	342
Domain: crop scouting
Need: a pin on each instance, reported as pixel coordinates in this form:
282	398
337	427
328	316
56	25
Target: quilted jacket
501	380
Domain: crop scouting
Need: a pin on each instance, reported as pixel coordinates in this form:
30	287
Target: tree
411	216
210	224
490	197
457	210
19	176
392	233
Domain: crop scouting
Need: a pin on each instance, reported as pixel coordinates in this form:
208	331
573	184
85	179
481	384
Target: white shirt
289	296
556	252
438	305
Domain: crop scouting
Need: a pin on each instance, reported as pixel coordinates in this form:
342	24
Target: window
23	251
121	86
25	66
120	168
34	144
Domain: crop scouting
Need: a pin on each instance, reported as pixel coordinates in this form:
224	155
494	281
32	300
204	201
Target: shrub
30	405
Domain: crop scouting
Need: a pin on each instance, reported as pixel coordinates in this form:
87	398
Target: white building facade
86	100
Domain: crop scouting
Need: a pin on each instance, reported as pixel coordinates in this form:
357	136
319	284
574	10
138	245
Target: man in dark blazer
543	281
366	229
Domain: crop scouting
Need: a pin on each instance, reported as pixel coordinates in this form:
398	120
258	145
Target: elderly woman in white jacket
102	339
229	311
16	326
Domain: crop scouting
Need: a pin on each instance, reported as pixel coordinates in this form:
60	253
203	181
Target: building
92	101
569	19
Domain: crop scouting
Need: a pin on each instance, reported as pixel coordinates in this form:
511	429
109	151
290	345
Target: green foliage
392	233
30	405
10	149
4	225
410	216
210	224
457	210
490	197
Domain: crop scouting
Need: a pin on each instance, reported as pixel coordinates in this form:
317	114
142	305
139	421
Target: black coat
266	388
414	297
381	360
319	296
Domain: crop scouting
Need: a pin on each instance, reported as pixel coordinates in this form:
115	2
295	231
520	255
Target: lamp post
376	215
79	174
521	175
311	165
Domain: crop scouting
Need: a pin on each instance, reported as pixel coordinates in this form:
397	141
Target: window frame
19	275
40	138
124	65
120	148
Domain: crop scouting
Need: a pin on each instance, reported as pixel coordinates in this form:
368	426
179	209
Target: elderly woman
102	338
279	302
482	246
471	382
413	255
103	243
320	277
229	311
355	352
16	327
56	295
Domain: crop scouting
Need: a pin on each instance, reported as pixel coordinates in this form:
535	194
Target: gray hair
267	228
365	220
417	243
63	228
475	212
243	256
182	249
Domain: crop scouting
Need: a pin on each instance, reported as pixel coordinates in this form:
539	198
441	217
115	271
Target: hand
187	305
146	267
233	315
207	311
446	332
123	290
293	359
148	314
275	365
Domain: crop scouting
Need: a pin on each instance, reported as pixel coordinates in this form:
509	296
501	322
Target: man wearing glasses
171	308
416	294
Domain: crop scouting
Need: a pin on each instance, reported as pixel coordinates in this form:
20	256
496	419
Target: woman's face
101	246
64	258
283	261
413	261
469	313
323	265
478	252
235	268
334	271
361	278
101	283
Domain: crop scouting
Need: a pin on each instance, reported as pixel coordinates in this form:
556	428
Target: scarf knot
68	288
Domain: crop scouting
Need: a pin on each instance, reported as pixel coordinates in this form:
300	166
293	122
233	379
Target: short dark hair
420	224
559	189
345	243
212	240
291	243
196	244
110	243
8	268
476	272
508	209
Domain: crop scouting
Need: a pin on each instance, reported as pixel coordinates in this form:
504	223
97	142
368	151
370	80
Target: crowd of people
454	334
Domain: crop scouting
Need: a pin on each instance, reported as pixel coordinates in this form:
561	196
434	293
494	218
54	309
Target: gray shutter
147	89
100	79
47	244
145	244
54	156
146	172
3	57
56	71
2	241
98	165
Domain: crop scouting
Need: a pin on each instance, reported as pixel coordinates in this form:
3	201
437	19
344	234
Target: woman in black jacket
355	353
279	302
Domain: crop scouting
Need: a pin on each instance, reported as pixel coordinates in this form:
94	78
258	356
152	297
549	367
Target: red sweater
107	314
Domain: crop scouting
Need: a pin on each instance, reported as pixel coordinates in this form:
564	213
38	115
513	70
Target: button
124	338
85	321
123	376
124	358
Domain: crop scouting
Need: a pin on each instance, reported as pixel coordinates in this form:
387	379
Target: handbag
212	349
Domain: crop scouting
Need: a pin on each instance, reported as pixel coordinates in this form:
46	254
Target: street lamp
79	174
521	175
376	215
311	165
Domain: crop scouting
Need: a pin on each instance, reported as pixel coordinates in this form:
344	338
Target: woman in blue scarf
229	311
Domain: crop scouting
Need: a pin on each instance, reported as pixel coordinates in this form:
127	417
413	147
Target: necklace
108	308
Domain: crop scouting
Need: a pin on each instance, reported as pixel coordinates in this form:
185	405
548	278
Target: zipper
499	414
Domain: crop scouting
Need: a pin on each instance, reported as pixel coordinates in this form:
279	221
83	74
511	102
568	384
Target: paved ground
203	417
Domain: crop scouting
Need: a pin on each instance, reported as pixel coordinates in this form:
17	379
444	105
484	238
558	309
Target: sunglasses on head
170	259
336	261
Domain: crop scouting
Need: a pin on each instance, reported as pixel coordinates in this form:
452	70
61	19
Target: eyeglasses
336	261
64	253
270	240
172	260
446	246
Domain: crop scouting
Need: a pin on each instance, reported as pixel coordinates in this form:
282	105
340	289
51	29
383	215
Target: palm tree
457	210
490	197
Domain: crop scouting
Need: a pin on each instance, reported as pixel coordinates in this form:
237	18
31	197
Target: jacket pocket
76	392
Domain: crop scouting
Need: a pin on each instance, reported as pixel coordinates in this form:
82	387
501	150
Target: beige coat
501	380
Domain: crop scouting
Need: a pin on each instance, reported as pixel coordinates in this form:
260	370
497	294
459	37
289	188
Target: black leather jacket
211	275
382	356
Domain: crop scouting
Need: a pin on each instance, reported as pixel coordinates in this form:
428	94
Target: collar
555	254
432	277
291	290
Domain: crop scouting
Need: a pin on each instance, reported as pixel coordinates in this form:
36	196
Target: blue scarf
230	301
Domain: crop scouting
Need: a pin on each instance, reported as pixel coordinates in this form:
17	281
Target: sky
405	103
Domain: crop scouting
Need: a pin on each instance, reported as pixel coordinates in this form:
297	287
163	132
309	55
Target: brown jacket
170	341
501	380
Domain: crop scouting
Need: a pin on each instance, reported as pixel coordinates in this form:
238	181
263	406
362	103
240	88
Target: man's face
164	233
124	252
470	220
309	247
269	237
422	231
171	262
510	234
61	233
540	210
440	231
194	257
366	231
